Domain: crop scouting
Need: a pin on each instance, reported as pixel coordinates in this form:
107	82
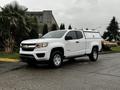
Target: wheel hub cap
57	59
95	54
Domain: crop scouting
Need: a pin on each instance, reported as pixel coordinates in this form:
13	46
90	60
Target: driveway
78	75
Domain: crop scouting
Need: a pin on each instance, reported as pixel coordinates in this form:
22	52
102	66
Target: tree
1	38
15	25
54	27
34	34
70	27
33	26
112	31
45	29
1	43
62	27
11	19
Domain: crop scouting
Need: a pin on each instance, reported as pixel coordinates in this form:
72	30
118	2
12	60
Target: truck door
71	45
81	43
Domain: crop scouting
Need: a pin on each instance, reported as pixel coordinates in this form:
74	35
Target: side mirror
68	38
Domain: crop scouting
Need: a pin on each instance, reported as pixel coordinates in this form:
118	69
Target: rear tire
94	54
56	59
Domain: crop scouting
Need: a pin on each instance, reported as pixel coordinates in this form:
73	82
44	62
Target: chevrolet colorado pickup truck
55	46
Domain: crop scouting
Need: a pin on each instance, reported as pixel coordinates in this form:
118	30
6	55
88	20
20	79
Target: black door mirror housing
68	38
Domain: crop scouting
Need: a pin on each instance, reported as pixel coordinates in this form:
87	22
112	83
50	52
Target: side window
79	34
72	34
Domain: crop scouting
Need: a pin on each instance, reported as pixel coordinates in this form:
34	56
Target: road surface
78	75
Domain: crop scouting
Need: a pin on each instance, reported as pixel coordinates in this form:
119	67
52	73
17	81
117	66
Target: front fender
56	45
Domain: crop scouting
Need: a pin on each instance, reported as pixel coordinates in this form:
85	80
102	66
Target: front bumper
37	55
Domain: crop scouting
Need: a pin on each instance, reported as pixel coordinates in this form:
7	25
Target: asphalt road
78	75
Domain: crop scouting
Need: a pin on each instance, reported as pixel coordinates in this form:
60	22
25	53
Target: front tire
94	54
56	59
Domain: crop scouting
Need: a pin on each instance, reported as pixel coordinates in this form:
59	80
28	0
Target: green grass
10	56
116	49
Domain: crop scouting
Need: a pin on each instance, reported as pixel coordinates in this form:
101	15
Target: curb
8	60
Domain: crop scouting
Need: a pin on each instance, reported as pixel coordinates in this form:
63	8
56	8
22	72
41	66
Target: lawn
116	49
10	56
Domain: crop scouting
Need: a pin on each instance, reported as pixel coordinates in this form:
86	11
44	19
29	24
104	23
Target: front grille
28	47
29	44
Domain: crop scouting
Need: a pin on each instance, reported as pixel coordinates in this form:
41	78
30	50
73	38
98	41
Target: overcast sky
78	13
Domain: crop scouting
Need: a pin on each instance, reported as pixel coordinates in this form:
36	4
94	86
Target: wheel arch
94	46
61	49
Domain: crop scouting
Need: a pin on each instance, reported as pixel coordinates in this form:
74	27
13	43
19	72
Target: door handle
77	41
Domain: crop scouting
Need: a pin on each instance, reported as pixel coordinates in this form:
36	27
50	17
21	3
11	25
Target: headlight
40	45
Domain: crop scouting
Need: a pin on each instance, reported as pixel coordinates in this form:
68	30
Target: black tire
56	59
94	54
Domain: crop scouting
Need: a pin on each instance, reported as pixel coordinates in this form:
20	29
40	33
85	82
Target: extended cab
57	45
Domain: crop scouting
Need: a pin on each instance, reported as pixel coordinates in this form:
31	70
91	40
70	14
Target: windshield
54	34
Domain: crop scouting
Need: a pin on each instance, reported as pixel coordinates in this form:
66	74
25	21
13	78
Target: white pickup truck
55	46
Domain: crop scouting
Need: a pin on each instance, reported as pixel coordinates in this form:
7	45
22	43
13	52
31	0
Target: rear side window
97	35
92	35
79	34
72	34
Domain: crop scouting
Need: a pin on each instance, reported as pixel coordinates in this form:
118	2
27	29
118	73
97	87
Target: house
44	17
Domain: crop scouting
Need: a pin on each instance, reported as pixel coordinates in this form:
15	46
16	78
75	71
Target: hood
31	41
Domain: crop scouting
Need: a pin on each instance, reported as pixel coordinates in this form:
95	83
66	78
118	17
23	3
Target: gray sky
78	13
